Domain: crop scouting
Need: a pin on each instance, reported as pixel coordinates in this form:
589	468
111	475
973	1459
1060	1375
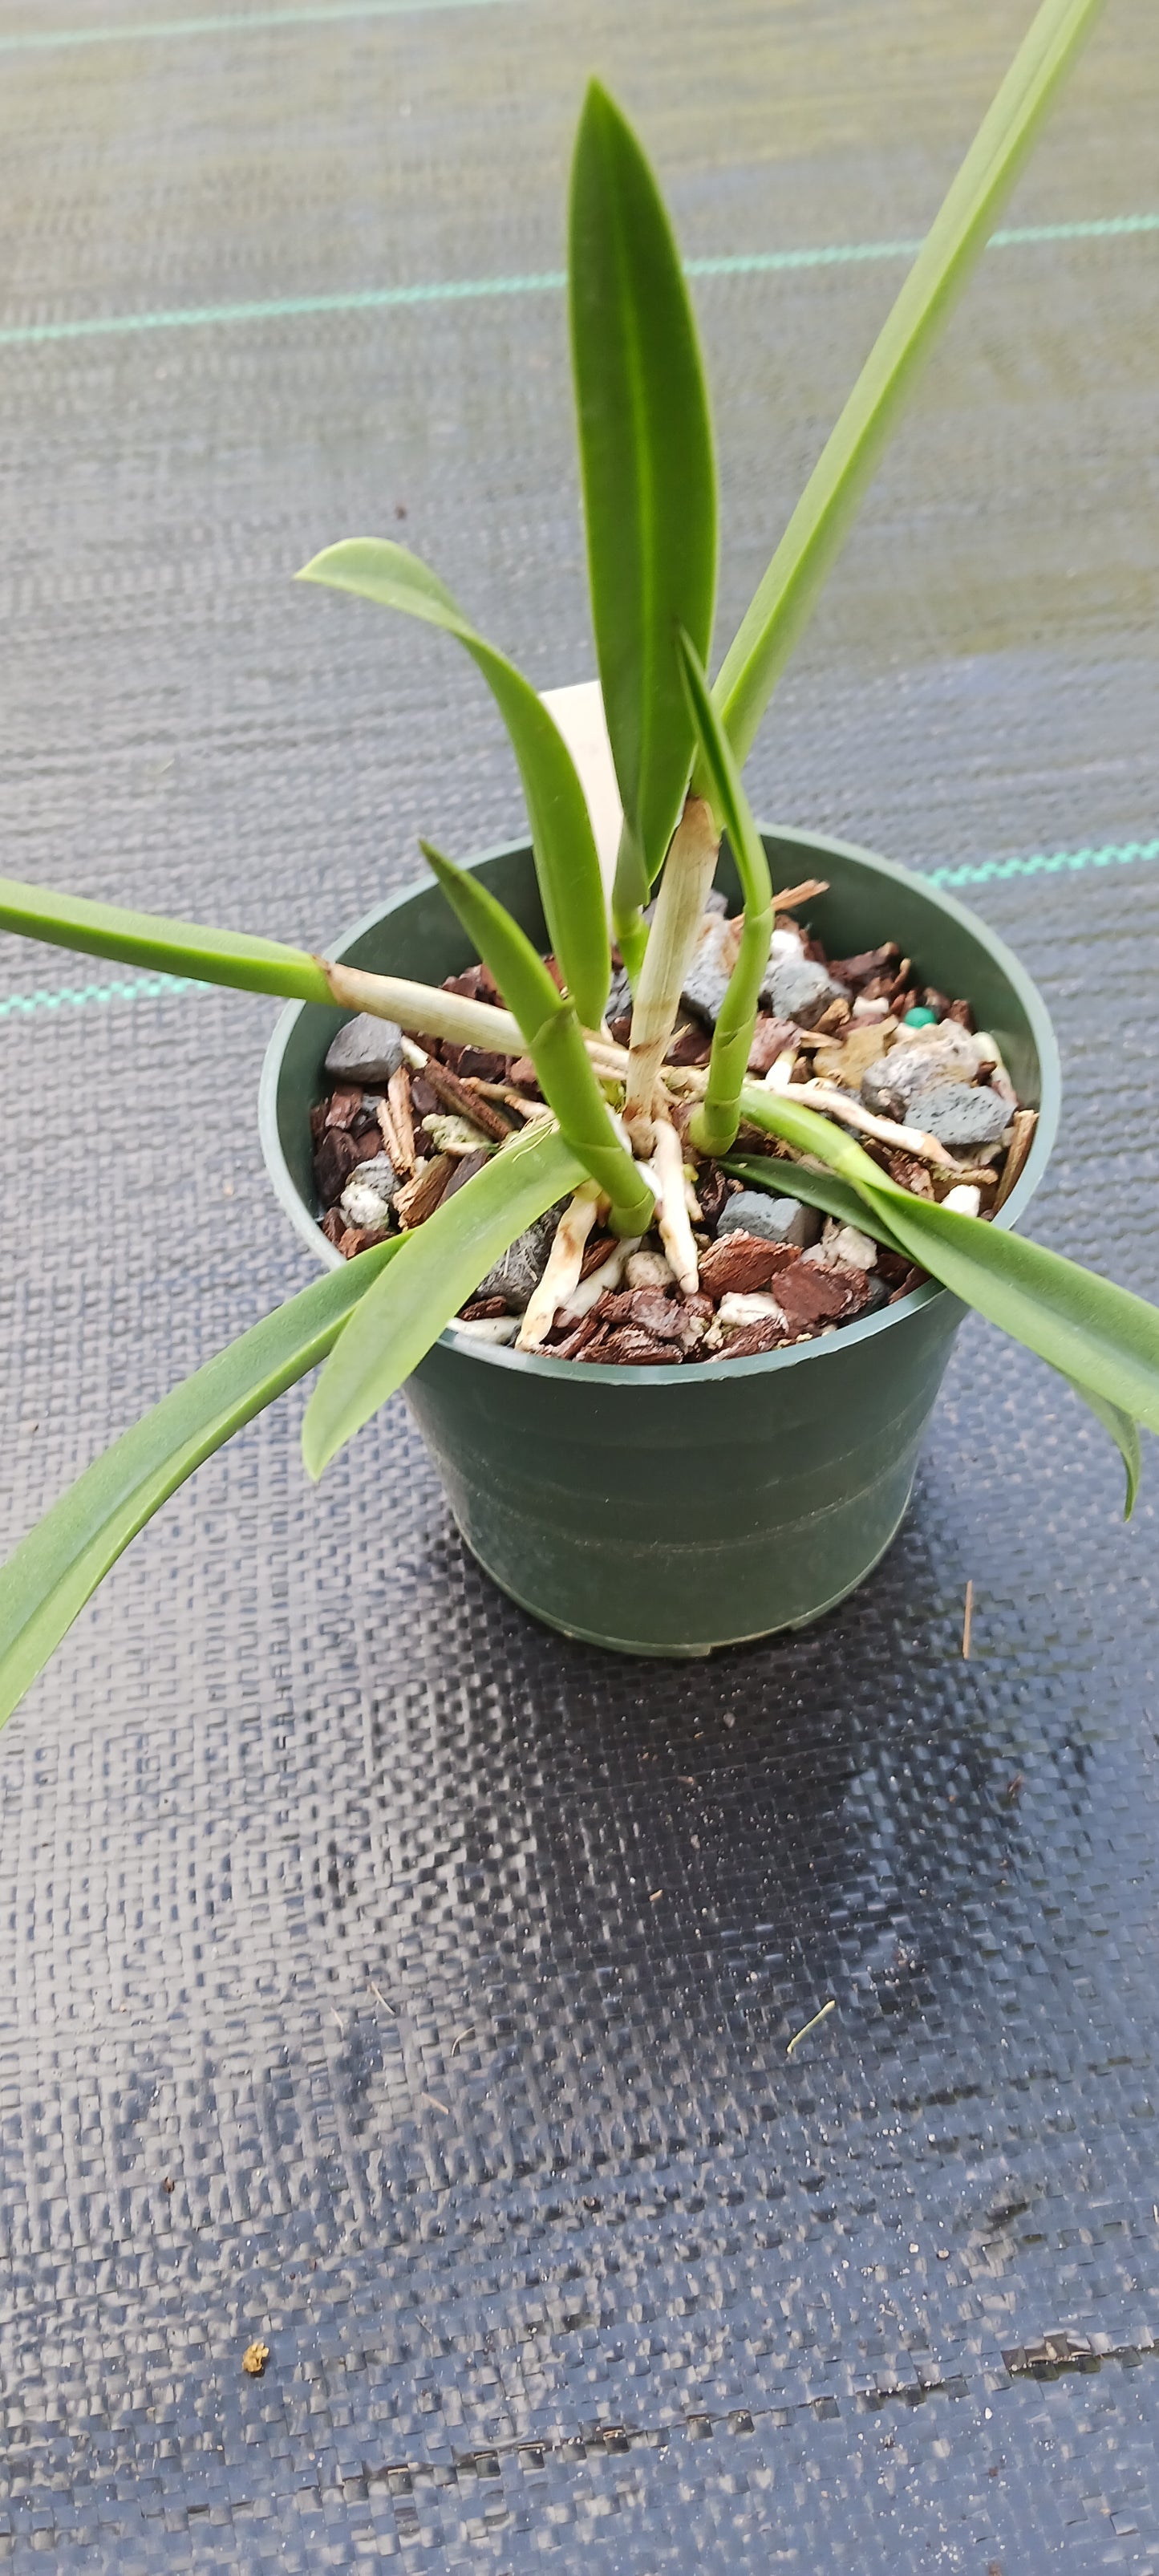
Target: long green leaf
1125	1434
53	1571
438	1267
561	831
715	1123
839	1199
833	494
649	479
171	947
1099	1335
552	1036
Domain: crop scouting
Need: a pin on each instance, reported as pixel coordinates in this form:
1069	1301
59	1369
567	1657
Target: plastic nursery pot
665	1511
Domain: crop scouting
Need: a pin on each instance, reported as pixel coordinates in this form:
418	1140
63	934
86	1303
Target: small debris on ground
803	2033
254	2359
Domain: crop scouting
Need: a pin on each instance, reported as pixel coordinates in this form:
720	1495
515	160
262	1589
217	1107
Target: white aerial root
672	1210
837	1104
564	1263
609	1275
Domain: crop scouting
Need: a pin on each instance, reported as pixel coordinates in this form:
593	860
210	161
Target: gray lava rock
366	1199
772	1220
522	1266
796	988
620	994
960	1113
949	1054
365	1050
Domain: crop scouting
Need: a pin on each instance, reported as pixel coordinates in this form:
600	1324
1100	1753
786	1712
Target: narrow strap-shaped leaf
565	852
437	1268
253	965
649	479
715	1123
171	947
554	1041
53	1571
1100	1335
833	494
839	1199
1125	1434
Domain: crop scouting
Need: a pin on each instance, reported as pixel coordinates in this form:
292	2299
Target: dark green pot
666	1511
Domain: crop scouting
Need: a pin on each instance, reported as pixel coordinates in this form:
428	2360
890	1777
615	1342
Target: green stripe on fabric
154	988
41	40
1045	863
142	988
381	299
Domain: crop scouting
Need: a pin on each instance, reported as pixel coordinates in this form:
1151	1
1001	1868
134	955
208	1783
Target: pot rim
663	1375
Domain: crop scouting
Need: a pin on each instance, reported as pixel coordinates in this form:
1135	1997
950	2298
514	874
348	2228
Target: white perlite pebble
965	1199
365	1201
848	1245
736	1309
488	1328
648	1270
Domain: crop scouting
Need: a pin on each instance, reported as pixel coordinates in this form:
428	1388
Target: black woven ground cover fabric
389	1981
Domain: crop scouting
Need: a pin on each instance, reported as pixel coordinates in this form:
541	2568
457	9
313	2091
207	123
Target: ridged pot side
665	1511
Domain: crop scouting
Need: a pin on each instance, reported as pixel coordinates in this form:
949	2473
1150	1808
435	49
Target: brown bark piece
770	1039
333	1164
592	1346
589	1329
914	1278
812	1295
398	1102
421	1196
454	1095
909	1174
343	1107
751	1339
334	1226
809	891
474	1061
651	1310
596	1251
962	1013
463	1169
631	1348
713	1190
481	1310
356	1239
476	983
742	1262
857	971
693	1046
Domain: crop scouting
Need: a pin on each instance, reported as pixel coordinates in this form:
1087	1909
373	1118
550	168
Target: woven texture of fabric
391	1982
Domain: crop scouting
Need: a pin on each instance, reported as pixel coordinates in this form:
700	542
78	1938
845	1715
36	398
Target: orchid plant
678	745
